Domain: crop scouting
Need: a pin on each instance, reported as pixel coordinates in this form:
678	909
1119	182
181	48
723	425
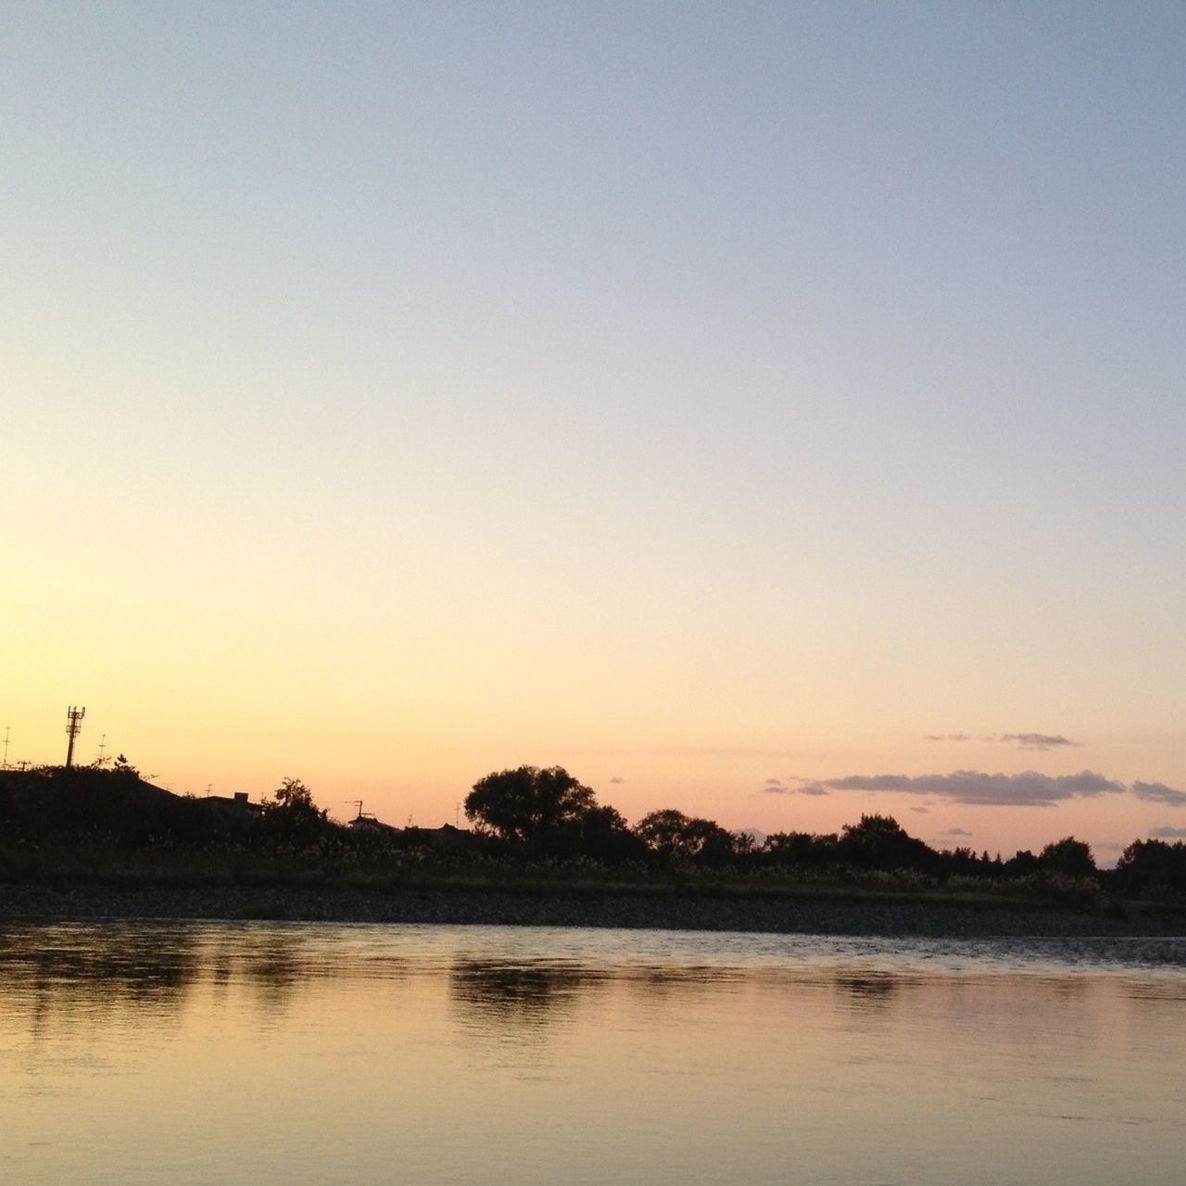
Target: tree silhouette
880	842
528	803
1152	865
669	833
1070	856
292	806
800	848
124	767
601	834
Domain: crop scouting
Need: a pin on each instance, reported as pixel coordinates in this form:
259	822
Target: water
264	1053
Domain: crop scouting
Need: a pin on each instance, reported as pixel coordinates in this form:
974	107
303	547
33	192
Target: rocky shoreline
564	907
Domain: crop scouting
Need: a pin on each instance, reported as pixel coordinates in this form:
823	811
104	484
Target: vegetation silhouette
1153	868
1069	856
672	836
527	803
291	811
549	813
534	828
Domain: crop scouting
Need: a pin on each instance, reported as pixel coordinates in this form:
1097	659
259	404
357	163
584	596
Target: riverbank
568	907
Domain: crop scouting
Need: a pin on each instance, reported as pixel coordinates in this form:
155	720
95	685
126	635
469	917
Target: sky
773	411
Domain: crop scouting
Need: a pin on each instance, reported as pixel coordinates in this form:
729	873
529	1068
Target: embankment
569	907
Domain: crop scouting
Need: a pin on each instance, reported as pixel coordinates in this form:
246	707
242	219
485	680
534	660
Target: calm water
261	1053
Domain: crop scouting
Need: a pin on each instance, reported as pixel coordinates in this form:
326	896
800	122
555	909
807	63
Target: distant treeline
548	812
85	821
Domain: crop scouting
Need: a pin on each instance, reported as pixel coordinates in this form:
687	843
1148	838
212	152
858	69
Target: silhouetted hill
118	805
57	799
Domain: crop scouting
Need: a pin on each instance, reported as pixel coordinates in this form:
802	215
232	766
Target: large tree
669	833
528	803
1070	856
292	806
1152	865
880	842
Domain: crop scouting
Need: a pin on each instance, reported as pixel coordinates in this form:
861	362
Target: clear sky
774	411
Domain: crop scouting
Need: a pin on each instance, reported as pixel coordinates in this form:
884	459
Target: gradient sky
774	411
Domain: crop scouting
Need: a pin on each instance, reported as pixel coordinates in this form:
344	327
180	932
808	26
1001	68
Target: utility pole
73	728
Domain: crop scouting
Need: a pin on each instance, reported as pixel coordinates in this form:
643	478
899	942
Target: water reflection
515	992
64	973
672	978
89	967
873	989
273	966
1158	990
483	1055
92	969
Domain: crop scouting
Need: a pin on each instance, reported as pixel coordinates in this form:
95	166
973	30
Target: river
263	1053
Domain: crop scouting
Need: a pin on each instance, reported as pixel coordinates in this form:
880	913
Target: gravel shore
561	907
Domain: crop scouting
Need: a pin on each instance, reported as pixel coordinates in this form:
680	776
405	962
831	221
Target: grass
96	861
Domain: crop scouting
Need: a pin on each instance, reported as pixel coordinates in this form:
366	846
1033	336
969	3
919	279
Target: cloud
774	786
814	788
617	778
1158	792
1030	789
1168	833
921	810
957	832
1041	741
1038	741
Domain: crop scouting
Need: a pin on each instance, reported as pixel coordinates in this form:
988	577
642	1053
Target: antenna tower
4	765
73	728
